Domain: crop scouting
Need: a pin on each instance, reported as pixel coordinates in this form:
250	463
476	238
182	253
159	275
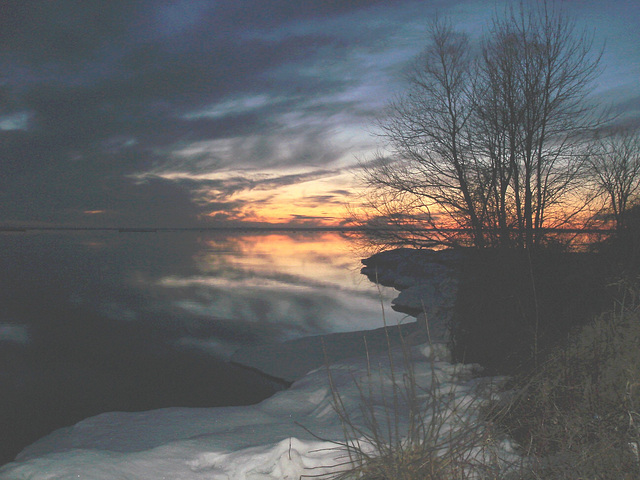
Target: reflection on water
261	288
97	321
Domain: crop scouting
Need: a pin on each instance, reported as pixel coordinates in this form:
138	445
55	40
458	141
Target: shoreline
290	360
405	271
426	281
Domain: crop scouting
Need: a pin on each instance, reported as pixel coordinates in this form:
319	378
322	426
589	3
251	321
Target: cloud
220	186
324	199
95	93
103	91
265	196
341	193
14	333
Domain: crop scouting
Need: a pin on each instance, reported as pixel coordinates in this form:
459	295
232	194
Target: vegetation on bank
565	328
494	147
577	415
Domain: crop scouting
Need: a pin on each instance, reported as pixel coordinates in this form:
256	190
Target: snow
296	432
426	279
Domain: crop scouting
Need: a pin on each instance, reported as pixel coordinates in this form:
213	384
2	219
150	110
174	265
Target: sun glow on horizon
311	196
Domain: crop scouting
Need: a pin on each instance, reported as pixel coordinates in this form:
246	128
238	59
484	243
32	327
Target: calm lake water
101	321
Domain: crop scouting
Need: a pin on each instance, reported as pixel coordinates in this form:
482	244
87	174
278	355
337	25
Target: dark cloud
64	31
257	13
93	92
227	187
323	199
96	200
344	193
112	88
307	218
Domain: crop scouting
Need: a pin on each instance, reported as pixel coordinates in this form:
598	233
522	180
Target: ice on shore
292	359
291	434
427	281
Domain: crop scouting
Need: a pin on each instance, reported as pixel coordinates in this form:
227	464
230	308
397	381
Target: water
101	321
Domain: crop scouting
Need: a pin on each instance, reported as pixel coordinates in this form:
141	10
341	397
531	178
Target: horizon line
326	228
31	228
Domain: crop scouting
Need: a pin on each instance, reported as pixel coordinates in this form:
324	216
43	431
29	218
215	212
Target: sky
159	113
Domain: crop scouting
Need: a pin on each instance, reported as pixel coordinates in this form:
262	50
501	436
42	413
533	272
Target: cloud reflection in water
281	285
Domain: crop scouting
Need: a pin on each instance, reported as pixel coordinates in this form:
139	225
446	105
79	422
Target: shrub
512	304
578	415
622	249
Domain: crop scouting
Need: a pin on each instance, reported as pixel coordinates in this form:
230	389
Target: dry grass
422	431
577	416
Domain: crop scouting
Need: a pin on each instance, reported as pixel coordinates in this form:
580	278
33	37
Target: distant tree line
498	143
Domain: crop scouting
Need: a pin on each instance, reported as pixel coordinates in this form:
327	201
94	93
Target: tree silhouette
488	145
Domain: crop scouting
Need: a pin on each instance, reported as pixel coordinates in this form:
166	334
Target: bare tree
491	143
615	166
428	132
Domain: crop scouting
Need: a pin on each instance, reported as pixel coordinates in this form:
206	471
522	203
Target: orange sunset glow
293	204
289	254
313	197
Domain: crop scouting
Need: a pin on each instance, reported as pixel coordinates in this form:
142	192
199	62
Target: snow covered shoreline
267	440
